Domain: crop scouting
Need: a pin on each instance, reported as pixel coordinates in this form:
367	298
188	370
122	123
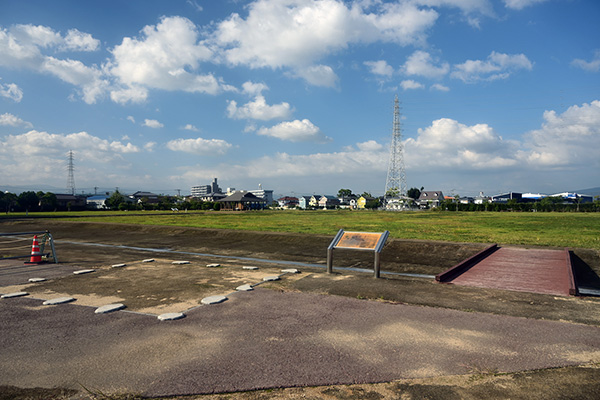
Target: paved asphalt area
267	339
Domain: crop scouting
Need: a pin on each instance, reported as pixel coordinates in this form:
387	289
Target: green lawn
545	229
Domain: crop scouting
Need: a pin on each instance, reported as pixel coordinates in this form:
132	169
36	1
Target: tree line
28	201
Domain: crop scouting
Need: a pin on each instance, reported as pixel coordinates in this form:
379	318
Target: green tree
7	201
366	194
392	192
28	200
48	201
414	193
344	193
372	204
115	200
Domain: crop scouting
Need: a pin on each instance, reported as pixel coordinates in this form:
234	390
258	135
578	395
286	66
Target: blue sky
297	95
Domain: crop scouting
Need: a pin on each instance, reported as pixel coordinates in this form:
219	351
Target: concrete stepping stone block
171	316
290	271
244	288
84	271
215	265
118	265
147	260
109	308
213	300
58	300
271	278
249	267
36	280
180	262
15	294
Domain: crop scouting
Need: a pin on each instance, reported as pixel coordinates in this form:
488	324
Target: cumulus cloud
448	143
200	146
295	131
166	56
366	158
79	41
23	46
298	33
496	66
11	91
567	139
190	127
317	75
521	4
253	88
380	68
259	110
422	63
76	73
152	123
49	151
8	119
439	87
410	84
591	66
131	94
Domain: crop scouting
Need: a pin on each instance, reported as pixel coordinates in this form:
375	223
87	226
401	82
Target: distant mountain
590	192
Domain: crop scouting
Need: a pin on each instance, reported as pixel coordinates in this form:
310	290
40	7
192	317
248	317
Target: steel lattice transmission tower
395	184
71	178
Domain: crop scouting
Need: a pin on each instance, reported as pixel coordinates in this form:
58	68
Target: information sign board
369	241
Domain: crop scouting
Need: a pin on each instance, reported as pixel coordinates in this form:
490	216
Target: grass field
542	229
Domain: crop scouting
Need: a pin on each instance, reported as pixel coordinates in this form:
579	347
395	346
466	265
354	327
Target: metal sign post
364	241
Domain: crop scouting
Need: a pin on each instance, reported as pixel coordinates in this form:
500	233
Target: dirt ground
160	286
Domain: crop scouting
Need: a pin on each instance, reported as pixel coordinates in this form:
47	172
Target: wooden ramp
526	270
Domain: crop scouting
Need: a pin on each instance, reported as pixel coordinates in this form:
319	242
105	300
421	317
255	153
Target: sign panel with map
369	241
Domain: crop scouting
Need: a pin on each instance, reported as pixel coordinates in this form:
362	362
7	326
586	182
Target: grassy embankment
575	230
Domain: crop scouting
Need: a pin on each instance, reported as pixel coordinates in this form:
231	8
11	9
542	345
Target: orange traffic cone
36	255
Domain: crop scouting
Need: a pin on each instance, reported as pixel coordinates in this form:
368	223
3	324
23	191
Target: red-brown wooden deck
527	270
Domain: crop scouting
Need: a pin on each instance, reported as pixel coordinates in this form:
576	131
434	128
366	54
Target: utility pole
396	176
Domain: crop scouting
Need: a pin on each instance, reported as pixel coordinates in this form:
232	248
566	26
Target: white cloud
520	4
440	87
133	94
76	73
380	68
497	66
421	63
131	119
152	123
591	66
11	91
79	41
254	89
295	131
150	146
35	143
200	146
318	75
190	127
298	33
365	160
49	151
166	57
567	139
23	46
410	84
7	119
258	109
448	143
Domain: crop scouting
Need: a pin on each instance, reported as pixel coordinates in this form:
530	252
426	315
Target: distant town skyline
297	95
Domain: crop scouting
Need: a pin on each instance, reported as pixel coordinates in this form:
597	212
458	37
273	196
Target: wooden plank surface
528	270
